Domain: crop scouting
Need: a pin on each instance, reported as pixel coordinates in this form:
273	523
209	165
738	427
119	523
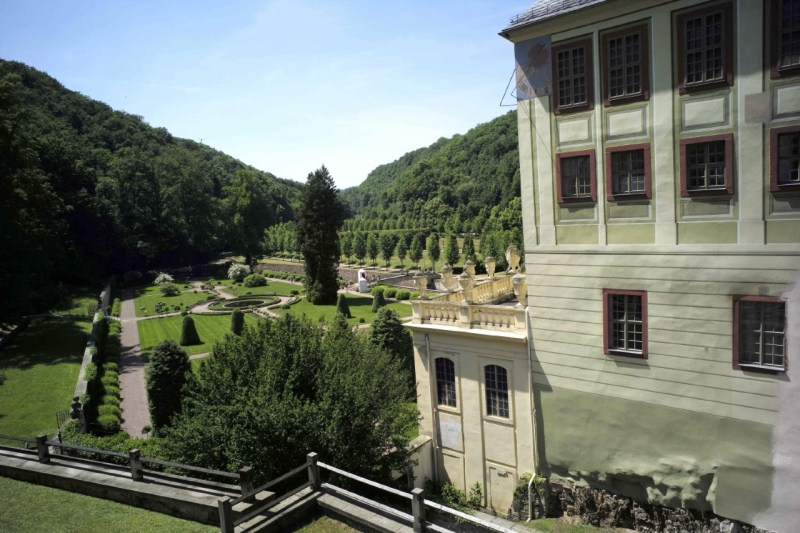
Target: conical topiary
237	322
342	307
189	334
378	300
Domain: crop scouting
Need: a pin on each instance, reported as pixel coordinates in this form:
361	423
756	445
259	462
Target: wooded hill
87	191
457	184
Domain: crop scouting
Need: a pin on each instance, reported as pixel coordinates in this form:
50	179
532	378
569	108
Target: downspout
433	410
534	432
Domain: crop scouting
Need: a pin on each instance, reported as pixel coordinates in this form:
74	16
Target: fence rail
84	449
190	468
19	439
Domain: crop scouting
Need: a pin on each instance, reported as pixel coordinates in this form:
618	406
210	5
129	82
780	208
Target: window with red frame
625	322
760	333
789	34
707	165
625	66
705	54
572	76
789	158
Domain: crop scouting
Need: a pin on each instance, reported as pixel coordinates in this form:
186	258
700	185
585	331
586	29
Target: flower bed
244	303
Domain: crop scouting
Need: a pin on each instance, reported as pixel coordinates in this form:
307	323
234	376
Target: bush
169	289
110	379
166	377
286	306
414	295
189	334
211	297
110	400
294	292
163	278
116	308
90	373
112	391
237	322
104	410
342	307
403	294
238	272
109	423
362	321
254	280
111	367
390	293
378	301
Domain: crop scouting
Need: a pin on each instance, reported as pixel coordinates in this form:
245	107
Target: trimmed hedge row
103	377
116	307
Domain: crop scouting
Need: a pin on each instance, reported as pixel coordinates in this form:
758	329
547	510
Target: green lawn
148	297
360	307
41	369
78	303
196	363
211	328
559	525
319	523
31	508
273	287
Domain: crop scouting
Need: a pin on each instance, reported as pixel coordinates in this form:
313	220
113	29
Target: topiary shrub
403	294
237	322
166	376
390	293
112	391
110	400
189	336
109	423
238	272
378	301
254	280
116	308
111	367
294	292
362	321
110	379
169	289
342	307
286	306
414	295
104	410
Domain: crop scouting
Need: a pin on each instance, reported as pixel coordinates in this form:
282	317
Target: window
575	177
446	382
497	391
705	54
625	323
625	67
784	158
785	33
572	77
628	172
759	336
707	165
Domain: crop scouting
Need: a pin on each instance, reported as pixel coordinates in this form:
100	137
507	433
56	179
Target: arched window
496	391
446	381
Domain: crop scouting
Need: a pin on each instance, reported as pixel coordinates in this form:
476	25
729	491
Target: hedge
390	293
403	294
116	308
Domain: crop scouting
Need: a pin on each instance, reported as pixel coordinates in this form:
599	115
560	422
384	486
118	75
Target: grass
559	525
78	303
360	307
41	370
273	287
34	508
211	328
196	364
148	297
318	523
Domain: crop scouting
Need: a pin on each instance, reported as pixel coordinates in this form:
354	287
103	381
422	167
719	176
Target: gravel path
135	413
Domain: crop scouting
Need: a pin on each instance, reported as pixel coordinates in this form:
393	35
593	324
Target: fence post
418	509
246	483
41	447
225	515
135	459
313	471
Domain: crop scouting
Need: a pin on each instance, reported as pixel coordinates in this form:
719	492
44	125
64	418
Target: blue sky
286	85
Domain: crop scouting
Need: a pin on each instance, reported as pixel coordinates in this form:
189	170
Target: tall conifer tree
320	218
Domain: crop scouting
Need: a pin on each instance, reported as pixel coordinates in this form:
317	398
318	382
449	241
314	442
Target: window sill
785	187
577	200
625	353
785	72
621	100
706	86
762	368
498	419
448	409
706	192
628	197
573	109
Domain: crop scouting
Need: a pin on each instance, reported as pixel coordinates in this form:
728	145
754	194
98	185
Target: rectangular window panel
789	158
628	172
762	333
789	34
497	391
572	77
705	165
704	48
446	382
576	178
625	324
625	65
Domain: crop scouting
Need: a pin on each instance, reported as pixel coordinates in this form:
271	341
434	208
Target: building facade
660	189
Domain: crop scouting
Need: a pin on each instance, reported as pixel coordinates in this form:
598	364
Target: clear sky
285	85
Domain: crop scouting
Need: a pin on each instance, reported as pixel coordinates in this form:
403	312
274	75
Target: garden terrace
243	303
360	308
210	328
146	299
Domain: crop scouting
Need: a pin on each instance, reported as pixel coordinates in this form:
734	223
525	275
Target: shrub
112	391
414	295
254	280
111	367
163	278
104	410
169	289
210	297
286	306
116	308
342	307
362	321
110	400
110	379
294	292
238	272
167	374
109	423
189	334
91	372
390	293
403	294
378	301
237	322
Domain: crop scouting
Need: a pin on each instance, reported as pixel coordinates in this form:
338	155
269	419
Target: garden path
135	412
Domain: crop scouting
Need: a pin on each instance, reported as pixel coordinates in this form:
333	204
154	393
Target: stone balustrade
489	291
462	315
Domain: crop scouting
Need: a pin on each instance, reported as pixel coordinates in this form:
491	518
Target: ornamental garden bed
244	303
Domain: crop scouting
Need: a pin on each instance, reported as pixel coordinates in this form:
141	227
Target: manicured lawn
41	370
148	297
211	328
318	523
196	363
31	508
360	307
273	287
558	525
78	303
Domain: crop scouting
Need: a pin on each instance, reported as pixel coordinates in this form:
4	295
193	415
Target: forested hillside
457	184
88	191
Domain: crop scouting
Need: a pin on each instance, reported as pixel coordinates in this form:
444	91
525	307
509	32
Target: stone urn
520	283
490	266
466	282
447	277
75	408
421	282
469	267
513	257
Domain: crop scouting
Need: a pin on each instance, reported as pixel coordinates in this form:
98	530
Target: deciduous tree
250	210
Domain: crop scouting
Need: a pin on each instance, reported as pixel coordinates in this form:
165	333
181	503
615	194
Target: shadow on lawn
47	341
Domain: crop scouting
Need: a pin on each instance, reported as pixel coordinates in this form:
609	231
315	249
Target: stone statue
490	266
466	282
363	284
421	281
447	277
512	257
469	267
